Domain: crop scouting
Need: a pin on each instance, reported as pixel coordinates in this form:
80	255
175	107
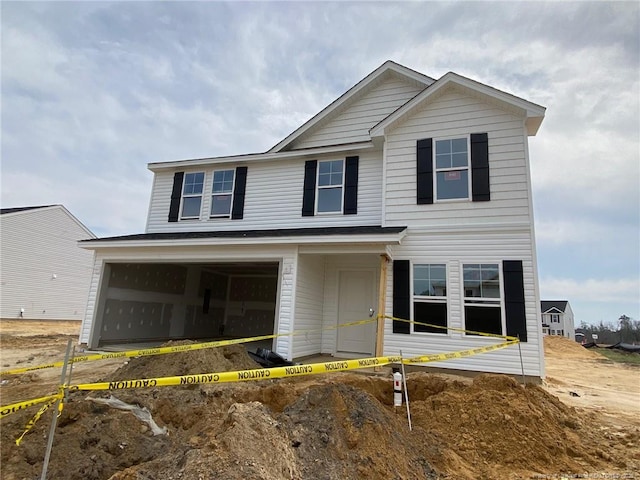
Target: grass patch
619	356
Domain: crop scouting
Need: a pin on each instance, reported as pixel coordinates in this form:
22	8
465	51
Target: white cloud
92	91
623	290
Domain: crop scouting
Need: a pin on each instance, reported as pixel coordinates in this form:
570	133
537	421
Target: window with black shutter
452	169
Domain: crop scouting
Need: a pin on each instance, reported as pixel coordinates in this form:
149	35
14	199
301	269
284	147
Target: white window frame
327	187
192	195
219	194
436	170
429	298
555	318
475	301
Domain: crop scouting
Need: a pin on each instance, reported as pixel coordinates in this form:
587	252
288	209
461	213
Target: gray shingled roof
283	232
547	305
22	209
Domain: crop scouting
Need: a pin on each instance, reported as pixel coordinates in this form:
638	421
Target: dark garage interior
157	302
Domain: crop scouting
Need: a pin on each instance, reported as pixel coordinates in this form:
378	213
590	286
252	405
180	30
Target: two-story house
557	318
406	196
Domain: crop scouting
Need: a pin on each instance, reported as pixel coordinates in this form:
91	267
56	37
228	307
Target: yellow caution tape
258	374
242	375
239	376
179	348
281	372
16	407
37	416
461	330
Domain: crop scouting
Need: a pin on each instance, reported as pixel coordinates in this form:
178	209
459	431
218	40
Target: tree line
625	330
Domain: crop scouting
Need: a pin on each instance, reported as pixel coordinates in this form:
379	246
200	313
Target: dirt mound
340	431
338	426
221	359
327	427
500	428
562	347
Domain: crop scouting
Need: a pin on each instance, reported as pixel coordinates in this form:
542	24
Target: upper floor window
482	298
555	318
430	297
222	193
192	195
330	184
452	169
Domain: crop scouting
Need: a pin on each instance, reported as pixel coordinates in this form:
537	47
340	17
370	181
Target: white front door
357	295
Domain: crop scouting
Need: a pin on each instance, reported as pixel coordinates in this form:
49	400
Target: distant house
407	196
557	318
45	275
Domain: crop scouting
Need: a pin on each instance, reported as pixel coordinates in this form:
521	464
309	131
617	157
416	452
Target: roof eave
258	157
369	239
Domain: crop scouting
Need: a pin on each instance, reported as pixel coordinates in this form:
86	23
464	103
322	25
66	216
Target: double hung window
330	186
192	195
452	169
482	298
430	297
222	193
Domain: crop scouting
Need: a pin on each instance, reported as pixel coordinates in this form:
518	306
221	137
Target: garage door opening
156	302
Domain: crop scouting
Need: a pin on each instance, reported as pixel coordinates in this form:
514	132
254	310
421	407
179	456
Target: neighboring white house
557	318
407	196
45	275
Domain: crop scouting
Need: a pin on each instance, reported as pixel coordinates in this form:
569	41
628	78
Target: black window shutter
401	296
351	186
514	299
176	194
424	177
480	167
239	189
309	195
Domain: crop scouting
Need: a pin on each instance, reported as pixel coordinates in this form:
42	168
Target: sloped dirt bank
340	426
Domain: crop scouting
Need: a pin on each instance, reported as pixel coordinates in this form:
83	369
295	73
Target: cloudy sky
93	91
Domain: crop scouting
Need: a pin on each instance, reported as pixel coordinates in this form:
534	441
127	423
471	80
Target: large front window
452	169
330	184
430	297
482	298
192	195
222	193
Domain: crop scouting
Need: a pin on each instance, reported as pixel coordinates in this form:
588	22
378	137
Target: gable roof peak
534	113
387	67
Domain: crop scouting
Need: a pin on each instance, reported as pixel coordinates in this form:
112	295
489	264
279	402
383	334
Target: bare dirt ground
339	426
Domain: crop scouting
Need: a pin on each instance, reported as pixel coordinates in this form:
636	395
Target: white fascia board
345	97
80	224
384	239
553	310
257	157
534	113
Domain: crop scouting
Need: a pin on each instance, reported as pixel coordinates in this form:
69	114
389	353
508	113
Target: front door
357	295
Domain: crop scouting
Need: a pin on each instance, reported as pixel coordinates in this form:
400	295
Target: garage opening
157	302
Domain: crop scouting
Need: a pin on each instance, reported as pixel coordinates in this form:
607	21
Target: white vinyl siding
455	248
309	303
449	116
43	269
274	198
355	120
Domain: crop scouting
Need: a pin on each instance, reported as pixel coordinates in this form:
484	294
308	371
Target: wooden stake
382	302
